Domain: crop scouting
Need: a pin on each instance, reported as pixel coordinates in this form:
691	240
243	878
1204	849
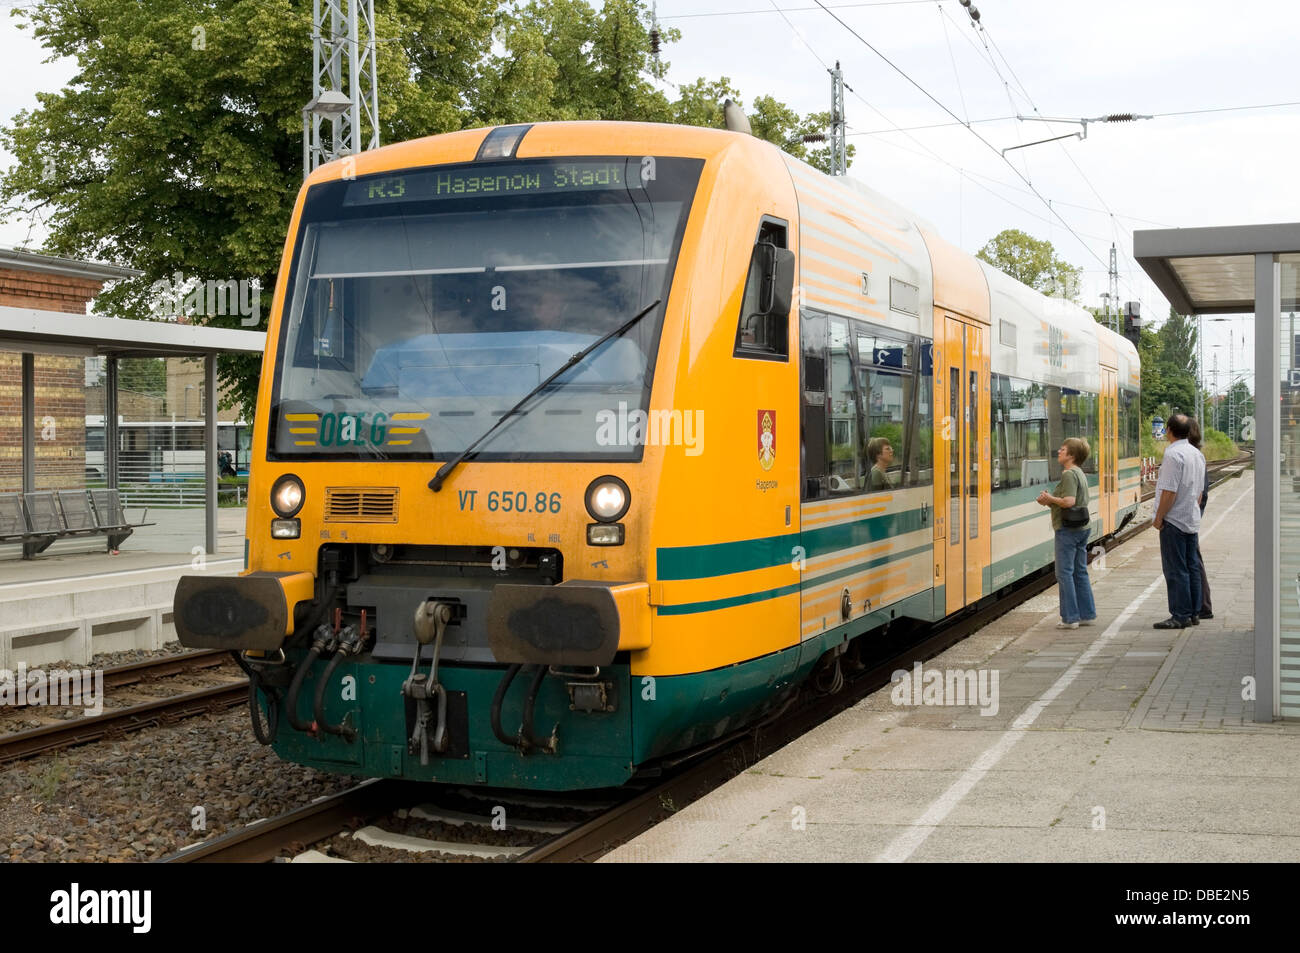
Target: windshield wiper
444	471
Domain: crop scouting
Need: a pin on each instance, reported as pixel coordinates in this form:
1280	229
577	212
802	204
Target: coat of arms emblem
766	438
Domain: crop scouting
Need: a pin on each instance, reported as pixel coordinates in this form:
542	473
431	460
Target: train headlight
608	499
287	495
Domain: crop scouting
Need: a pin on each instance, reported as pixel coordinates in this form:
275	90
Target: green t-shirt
1072	484
878	479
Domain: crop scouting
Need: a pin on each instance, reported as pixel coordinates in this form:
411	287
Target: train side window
886	393
762	334
1022	454
812	455
846	474
918	438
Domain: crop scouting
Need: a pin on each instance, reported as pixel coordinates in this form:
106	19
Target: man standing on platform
1178	518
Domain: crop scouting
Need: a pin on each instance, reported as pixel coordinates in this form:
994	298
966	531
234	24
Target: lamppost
331	104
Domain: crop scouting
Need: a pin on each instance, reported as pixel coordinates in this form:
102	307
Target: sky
1191	64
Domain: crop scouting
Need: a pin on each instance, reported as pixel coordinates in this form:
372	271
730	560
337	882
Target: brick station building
45	283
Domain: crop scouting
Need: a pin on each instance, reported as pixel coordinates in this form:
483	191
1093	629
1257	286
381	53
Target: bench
39	518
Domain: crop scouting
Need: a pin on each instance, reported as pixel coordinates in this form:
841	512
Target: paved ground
1115	742
171	542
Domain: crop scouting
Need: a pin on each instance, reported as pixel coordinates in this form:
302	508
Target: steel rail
151	714
133	673
264	840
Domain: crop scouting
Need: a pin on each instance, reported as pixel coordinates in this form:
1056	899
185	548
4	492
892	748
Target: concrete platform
1114	742
70	606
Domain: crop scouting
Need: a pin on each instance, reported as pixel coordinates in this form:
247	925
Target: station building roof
47	332
39	331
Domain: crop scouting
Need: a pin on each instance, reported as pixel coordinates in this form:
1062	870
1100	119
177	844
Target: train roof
556	138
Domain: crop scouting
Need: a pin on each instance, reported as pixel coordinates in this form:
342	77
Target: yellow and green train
570	450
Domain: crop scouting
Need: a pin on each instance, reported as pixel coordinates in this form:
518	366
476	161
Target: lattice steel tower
839	157
345	86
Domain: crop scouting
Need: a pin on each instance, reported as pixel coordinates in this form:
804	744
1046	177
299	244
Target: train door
962	506
1108	452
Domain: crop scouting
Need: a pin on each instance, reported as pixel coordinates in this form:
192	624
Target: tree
818	124
177	146
1178	342
1032	261
1168	357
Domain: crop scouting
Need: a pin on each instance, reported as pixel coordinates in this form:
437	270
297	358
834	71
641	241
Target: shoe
1207	615
1194	621
1067	625
1170	623
1087	622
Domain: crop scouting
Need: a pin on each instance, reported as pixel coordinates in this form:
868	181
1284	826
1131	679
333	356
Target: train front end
446	569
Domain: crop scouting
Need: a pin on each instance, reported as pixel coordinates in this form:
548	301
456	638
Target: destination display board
515	178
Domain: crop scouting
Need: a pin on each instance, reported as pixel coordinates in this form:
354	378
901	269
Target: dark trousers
1180	555
1206	605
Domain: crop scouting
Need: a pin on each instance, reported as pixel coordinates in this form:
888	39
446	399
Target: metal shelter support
1238	270
210	472
29	422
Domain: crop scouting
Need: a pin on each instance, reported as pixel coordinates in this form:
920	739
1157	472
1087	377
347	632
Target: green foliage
1149	446
1231	407
1217	445
46	783
890	431
1168	358
1032	261
177	146
163	156
1177	338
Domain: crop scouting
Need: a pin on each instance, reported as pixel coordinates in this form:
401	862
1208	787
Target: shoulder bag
1075	517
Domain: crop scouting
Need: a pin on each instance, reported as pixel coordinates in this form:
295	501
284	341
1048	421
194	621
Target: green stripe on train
720	559
1018	495
689	608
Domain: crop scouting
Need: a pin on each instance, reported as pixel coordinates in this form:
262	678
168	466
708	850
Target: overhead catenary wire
928	152
987	38
941	105
838	6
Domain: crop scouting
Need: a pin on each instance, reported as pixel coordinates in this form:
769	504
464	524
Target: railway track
365	811
113	722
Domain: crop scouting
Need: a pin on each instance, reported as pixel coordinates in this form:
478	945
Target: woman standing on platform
1206	609
1073	584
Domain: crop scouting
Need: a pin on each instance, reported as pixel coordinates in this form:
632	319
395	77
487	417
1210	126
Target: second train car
580	445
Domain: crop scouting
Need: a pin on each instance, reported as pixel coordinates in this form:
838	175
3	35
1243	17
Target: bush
1217	445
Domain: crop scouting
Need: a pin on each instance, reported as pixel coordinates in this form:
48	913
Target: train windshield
424	304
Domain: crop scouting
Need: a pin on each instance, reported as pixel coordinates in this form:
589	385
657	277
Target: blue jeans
1180	554
1072	575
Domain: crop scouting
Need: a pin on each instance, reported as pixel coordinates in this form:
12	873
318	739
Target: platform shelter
1255	269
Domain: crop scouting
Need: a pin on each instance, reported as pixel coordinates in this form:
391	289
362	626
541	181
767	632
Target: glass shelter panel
1289	493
